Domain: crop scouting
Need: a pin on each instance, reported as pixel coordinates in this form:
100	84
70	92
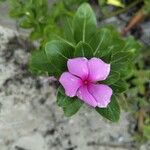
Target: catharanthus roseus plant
91	65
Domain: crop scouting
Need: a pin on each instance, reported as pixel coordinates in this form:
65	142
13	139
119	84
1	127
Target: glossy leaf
69	105
112	78
58	52
106	41
112	112
118	43
68	30
39	63
121	59
83	50
132	45
122	56
126	71
84	23
120	86
101	42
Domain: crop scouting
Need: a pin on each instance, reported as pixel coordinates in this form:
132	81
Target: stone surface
4	17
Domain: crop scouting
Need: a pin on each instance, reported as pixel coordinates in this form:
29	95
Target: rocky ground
29	116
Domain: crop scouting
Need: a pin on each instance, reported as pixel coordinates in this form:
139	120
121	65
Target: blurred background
29	116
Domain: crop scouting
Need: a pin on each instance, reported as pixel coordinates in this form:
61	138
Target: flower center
85	82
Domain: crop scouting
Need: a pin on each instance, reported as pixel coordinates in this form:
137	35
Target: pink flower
81	81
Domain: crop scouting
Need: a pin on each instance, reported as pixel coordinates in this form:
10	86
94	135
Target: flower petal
70	83
78	67
98	70
102	94
84	95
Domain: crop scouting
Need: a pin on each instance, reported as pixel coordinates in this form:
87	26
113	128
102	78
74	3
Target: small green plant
138	97
44	21
84	39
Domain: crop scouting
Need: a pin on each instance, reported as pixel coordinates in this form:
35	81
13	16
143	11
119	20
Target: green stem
120	11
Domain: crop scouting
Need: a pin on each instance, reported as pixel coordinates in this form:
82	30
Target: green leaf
38	63
112	112
101	42
35	34
26	23
121	59
116	3
68	30
69	105
2	1
118	43
146	131
50	32
16	9
131	44
120	86
146	7
83	50
126	71
106	41
107	58
112	78
58	52
84	23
